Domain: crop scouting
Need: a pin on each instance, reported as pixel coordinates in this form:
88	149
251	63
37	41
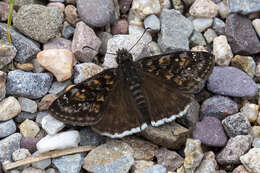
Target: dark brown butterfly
125	100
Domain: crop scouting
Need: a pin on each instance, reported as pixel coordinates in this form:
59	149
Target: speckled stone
27	105
240	169
245	63
2	85
69	164
141	166
27	84
9	108
29	128
222	51
39	22
201	24
71	14
250	111
143	8
251	160
223	9
58	43
20	154
204	8
244	6
7	128
7	53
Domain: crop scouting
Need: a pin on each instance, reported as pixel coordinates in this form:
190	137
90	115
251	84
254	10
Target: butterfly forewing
186	69
83	104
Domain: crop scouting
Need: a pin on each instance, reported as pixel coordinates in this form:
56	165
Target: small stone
96	13
143	150
170	135
219	26
124	5
58	43
7	128
4	8
32	170
223	9
50	170
193	155
210	35
84	71
7	53
236	147
250	111
8	145
29	143
46	101
151	49
245	63
114	156
40	164
69	164
120	27
241	35
255	132
61	140
222	51
208	164
256	143
57	87
25	66
57	61
197	39
56	4
210	132
201	24
156	169
141	166
256	24
169	159
231	81
236	124
37	67
2	85
29	128
71	14
89	137
20	154
172	35
28	84
240	169
23	116
41	115
67	30
51	125
39	22
204	8
152	22
104	37
9	108
178	5
27	105
251	160
144	8
85	36
244	6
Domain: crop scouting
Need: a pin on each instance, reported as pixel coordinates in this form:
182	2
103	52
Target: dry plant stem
48	155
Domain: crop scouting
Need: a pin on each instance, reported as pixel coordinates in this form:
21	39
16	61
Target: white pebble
51	125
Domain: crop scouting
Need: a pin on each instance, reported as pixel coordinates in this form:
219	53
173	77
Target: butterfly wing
84	104
186	69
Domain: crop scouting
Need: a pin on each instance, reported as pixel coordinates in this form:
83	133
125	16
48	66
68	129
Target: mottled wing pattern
186	69
84	104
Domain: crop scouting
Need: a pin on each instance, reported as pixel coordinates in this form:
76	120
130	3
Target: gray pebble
25	115
7	128
27	105
69	163
57	87
7	53
244	6
156	169
152	22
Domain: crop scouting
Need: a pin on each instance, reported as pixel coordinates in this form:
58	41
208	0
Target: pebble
85	36
223	9
7	128
89	137
251	160
104	37
57	87
114	156
33	170
7	53
219	26
231	81
29	143
2	85
67	30
245	63
255	131
40	164
84	71
256	24
25	66
219	107
241	35
20	154
9	108
152	22
143	8
119	27
170	135
96	13
71	14
141	166
23	116
210	35
169	159
172	35
256	143
204	8
236	124
243	6
197	39
61	140
201	24
26	48
69	163
193	155
29	128
156	169
240	169
4	8
56	4
46	101
39	22
40	116
58	43
210	132
208	163
250	111
50	170
236	147
8	145
57	61
27	105
143	150
222	51
51	125
28	84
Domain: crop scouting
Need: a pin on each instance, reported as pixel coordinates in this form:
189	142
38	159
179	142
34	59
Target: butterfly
125	100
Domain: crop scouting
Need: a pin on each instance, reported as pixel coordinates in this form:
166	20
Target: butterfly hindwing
186	69
83	104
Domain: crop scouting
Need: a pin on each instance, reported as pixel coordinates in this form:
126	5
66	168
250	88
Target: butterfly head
123	55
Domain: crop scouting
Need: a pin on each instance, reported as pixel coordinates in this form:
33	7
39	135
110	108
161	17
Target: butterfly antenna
96	50
146	29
